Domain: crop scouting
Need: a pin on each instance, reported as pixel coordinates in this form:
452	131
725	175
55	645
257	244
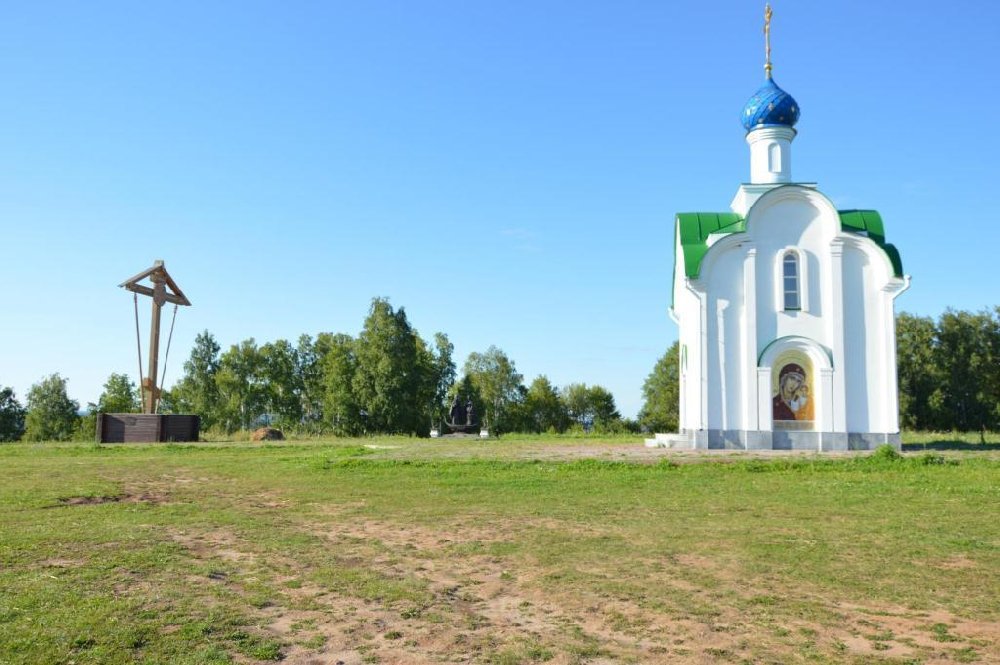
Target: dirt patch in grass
61	563
92	500
897	632
486	608
956	562
219	544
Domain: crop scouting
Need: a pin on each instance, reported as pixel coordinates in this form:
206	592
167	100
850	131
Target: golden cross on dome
767	39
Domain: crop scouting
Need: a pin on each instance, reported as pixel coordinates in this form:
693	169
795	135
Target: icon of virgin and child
793	400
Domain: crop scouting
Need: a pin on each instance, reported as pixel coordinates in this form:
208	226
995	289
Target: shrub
886	453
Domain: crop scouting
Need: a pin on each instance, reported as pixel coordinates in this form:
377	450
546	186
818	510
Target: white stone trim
749	373
835	331
889	294
748	193
720	334
764	412
825	421
682	361
702	336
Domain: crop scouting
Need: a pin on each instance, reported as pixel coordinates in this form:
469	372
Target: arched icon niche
793	393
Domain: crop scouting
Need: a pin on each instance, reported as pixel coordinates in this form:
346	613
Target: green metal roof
869	222
693	228
863	221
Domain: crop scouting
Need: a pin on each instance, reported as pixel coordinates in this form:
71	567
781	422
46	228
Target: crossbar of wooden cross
156	274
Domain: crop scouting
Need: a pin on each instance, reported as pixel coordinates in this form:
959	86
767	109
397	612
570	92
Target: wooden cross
164	290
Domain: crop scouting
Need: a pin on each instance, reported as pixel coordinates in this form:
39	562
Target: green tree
282	383
517	418
991	383
242	386
388	382
441	374
339	363
590	406
436	371
965	356
310	379
11	416
498	383
602	405
544	410
197	391
575	398
920	377
120	396
661	392
52	415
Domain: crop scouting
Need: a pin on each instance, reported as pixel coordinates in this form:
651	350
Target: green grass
975	441
193	553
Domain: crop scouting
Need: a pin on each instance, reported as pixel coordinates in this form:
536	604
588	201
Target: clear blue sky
506	171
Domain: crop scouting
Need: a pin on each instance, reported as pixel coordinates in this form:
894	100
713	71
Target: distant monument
462	416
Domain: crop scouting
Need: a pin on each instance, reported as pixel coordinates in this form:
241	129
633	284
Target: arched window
774	158
791	280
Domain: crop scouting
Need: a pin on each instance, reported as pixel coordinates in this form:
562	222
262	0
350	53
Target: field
561	550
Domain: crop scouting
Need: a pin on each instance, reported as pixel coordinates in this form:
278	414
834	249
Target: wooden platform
146	428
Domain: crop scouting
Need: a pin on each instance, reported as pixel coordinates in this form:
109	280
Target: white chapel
785	308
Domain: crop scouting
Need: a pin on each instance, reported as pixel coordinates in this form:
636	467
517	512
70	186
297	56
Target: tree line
386	380
390	380
949	371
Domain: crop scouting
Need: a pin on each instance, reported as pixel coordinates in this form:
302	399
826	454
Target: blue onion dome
770	106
